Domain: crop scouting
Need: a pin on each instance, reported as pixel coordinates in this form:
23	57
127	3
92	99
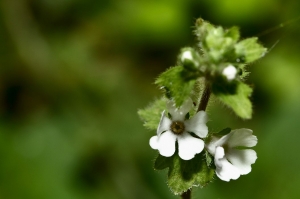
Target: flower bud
229	72
189	58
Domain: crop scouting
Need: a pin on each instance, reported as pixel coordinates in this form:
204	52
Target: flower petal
164	124
224	170
215	142
229	72
186	55
186	106
197	124
242	137
154	142
178	114
242	159
166	144
171	107
188	146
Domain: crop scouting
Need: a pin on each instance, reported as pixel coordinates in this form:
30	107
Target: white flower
230	161
177	128
186	55
229	72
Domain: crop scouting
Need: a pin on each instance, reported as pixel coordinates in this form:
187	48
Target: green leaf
151	114
221	85
243	73
209	158
184	174
217	45
215	39
233	33
162	162
202	28
195	95
238	102
248	50
178	83
224	131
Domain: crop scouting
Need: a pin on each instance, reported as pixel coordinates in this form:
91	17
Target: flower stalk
205	98
220	60
202	107
187	194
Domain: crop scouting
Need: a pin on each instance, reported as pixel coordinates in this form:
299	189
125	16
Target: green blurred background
73	74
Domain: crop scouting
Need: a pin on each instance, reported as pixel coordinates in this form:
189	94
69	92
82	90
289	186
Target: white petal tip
189	147
153	142
229	72
186	158
186	55
166	152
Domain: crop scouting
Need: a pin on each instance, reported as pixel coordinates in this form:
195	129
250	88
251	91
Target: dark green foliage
184	174
192	62
224	132
178	83
221	85
238	102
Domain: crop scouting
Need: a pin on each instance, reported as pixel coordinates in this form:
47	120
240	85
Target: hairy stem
186	195
202	107
205	98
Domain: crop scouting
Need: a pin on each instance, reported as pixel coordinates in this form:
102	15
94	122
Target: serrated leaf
243	73
162	162
248	50
183	174
238	102
151	114
177	79
233	33
221	85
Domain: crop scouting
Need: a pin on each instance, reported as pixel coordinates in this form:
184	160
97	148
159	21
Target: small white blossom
230	161
186	55
178	129
229	72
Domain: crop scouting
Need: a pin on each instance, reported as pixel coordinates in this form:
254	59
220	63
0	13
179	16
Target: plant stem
186	195
202	107
205	98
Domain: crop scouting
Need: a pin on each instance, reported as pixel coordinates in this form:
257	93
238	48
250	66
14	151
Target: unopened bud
229	72
189	58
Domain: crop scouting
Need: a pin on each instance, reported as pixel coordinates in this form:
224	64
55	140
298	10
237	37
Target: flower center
177	127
